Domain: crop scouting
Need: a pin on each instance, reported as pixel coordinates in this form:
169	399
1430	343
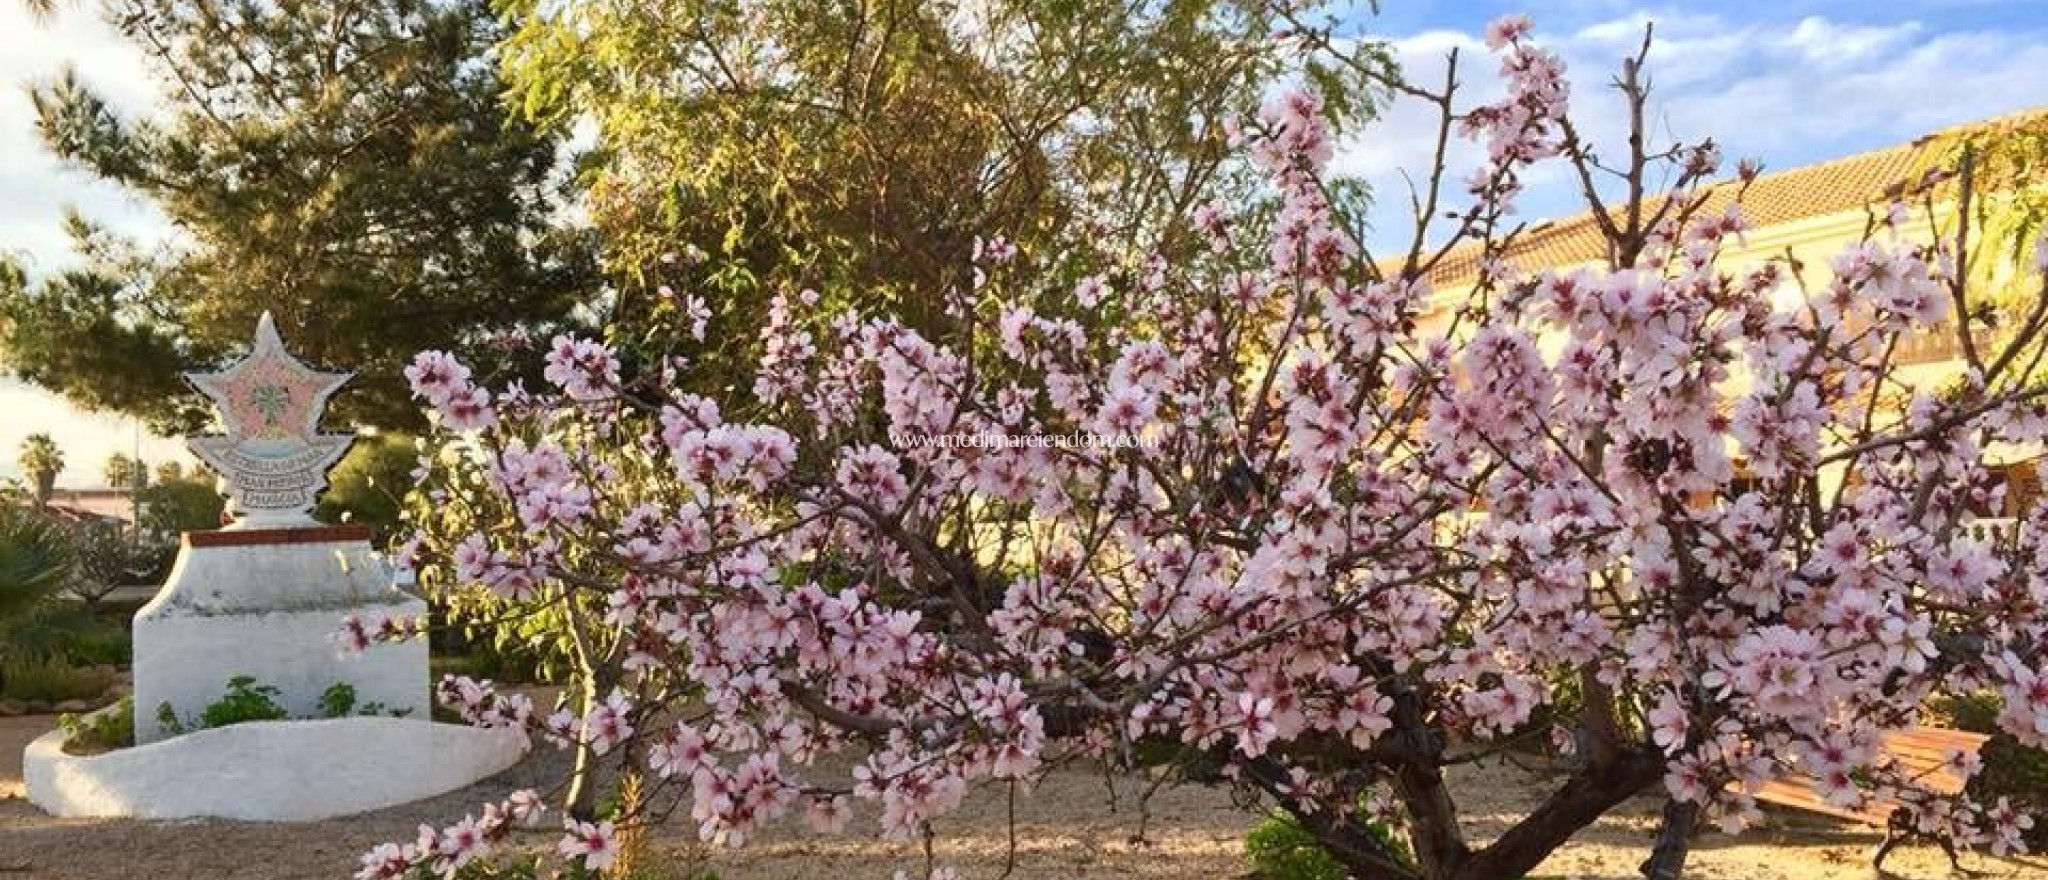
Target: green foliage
101	731
123	472
51	679
34	562
101	644
245	701
860	149
40	459
1280	849
345	165
181	504
167	718
66	630
369	485
338	700
2008	160
83	333
515	652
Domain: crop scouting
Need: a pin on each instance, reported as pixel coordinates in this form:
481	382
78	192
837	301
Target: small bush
1280	849
167	718
99	732
248	701
51	680
245	701
338	701
69	630
104	644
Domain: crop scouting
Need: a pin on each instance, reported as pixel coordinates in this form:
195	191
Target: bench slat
1920	752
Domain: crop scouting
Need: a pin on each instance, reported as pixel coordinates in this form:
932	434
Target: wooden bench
1922	754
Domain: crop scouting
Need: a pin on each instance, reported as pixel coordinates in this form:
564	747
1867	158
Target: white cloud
1789	93
34	188
34	192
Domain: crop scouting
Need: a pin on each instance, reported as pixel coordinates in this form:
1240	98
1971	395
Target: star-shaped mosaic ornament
273	454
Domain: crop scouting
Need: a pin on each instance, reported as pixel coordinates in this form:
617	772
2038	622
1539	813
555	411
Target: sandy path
1065	830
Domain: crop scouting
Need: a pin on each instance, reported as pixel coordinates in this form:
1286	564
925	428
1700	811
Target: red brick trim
268	537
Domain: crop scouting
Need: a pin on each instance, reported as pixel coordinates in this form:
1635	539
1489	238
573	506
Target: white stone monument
265	598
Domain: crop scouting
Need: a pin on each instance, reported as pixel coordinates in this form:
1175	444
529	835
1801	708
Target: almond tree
1337	532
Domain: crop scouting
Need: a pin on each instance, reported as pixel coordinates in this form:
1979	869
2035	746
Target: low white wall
187	661
270	770
271	612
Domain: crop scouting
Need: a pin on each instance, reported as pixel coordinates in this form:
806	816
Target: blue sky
1788	82
1407	16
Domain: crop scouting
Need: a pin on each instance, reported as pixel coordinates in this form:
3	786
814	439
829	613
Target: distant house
1807	214
111	505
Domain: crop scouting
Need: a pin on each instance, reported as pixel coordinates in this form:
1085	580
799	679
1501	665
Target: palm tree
41	461
35	561
127	473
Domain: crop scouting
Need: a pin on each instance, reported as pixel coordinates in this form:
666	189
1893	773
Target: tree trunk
1433	820
1674	841
581	801
1581	801
593	678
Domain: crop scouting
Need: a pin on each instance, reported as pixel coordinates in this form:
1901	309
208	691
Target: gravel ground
1065	830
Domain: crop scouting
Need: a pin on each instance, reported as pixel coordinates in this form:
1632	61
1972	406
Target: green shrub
41	631
245	701
51	680
167	718
1280	849
103	644
100	731
338	700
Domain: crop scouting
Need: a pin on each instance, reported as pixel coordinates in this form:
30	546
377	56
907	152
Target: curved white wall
270	770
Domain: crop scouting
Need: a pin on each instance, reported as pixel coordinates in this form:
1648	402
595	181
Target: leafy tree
181	504
41	461
123	472
1992	171
2006	162
169	471
369	485
106	557
344	165
864	148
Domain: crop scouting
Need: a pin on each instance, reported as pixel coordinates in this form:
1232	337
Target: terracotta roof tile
1836	185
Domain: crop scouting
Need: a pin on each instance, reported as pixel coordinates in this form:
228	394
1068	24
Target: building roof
106	504
1848	183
